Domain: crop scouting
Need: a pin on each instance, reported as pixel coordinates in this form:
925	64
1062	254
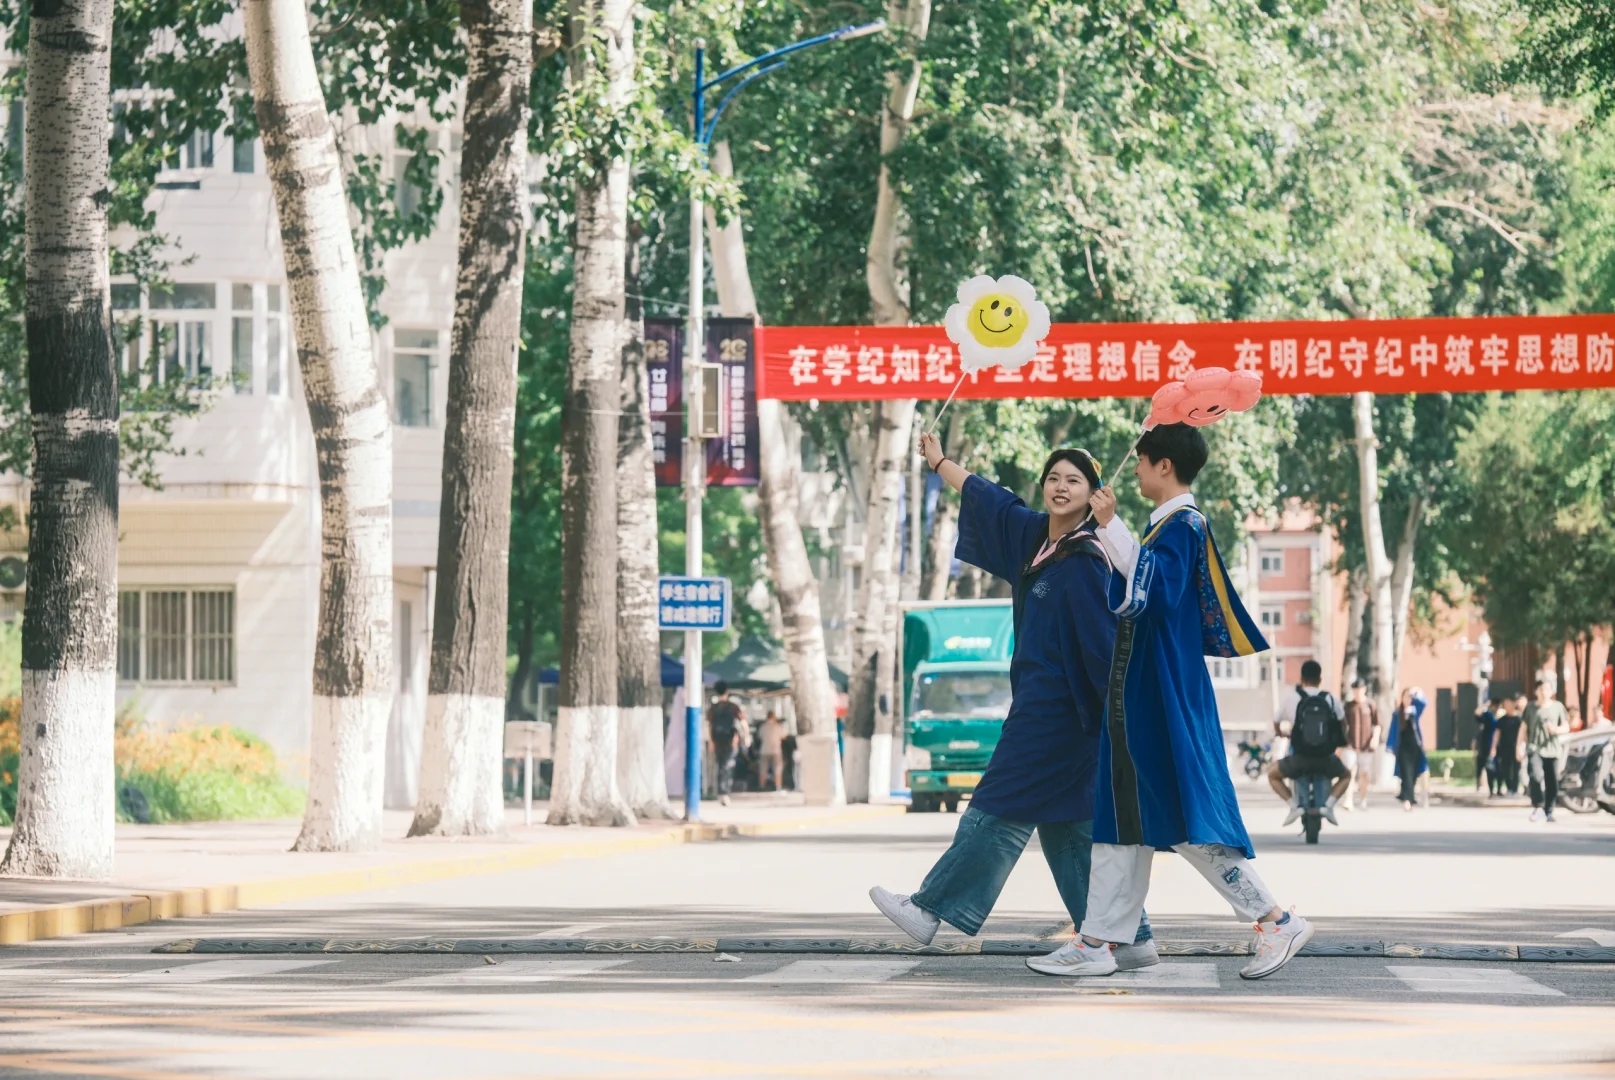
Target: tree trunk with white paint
353	665
870	699
795	587
462	747
585	789
1356	606
1402	572
640	774
870	707
65	812
1382	660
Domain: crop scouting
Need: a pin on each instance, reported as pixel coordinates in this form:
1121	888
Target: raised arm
953	474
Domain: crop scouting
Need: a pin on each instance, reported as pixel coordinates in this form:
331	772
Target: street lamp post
695	457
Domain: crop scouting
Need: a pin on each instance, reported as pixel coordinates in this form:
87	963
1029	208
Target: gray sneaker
1141	954
1075	958
907	916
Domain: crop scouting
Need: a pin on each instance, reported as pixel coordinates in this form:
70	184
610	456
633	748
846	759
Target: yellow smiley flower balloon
996	322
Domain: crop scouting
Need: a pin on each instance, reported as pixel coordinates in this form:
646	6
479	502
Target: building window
241	338
14	132
1272	560
1272	618
1227	671
243	156
275	339
414	356
176	635
195	152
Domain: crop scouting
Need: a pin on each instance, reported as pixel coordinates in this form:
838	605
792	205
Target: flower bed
188	772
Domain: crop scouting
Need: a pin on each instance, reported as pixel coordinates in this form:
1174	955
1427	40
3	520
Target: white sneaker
1536	814
1295	812
1329	813
1076	958
1141	954
907	916
723	800
1277	946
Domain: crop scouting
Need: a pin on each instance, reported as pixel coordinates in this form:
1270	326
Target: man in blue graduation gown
1163	773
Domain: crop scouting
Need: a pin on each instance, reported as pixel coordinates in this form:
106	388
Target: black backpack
1313	713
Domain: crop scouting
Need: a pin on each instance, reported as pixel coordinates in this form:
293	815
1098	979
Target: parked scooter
1588	781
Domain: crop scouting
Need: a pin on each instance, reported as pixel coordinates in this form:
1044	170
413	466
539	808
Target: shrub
1463	764
189	772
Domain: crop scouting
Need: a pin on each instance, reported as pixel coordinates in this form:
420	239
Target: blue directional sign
692	603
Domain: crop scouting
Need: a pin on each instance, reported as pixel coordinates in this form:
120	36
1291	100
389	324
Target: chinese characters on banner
1393	356
730	344
664	363
732	457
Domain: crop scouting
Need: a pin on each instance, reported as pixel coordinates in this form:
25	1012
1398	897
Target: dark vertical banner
664	363
732	458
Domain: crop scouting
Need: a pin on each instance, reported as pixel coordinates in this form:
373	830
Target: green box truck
956	695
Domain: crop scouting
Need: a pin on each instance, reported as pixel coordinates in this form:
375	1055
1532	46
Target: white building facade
219	570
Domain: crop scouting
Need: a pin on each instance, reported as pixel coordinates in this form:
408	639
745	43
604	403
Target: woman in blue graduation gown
1043	771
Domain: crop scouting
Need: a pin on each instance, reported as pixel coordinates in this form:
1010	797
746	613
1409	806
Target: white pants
1120	879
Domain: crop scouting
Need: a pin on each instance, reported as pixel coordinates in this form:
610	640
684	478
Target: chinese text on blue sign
688	603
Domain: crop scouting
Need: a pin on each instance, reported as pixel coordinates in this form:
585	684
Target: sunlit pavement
105	1005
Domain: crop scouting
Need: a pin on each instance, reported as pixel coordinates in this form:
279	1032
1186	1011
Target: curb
862	947
119	912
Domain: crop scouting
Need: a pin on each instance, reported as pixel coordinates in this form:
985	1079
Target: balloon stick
945	405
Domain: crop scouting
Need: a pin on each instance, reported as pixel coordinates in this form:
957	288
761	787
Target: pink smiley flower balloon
1205	397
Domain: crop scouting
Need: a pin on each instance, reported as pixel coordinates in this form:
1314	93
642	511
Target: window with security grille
176	635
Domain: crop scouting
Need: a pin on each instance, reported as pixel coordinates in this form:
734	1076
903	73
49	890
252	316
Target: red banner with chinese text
1091	360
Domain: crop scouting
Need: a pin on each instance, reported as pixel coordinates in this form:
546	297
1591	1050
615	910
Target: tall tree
779	478
601	65
873	692
461	789
353	684
70	630
1382	657
640	772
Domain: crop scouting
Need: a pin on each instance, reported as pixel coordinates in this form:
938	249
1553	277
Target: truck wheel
952	802
922	804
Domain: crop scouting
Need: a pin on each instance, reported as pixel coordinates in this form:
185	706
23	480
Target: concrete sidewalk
173	871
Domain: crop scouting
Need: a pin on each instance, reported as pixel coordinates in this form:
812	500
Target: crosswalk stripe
513	971
1172	975
1470	980
835	971
206	971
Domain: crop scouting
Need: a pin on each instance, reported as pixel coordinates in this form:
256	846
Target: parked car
1586	780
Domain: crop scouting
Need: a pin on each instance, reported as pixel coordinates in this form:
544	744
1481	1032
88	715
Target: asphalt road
105	1005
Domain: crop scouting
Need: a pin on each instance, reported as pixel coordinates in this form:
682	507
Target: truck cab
956	695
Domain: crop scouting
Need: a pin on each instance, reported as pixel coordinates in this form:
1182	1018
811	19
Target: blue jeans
963	886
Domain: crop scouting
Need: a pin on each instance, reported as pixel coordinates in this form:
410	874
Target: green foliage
10	658
733	548
1534	516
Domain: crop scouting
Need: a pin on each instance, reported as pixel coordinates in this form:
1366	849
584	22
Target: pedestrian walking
1546	725
1362	743
1315	722
727	733
1042	772
1507	747
1406	736
1486	749
1163	773
771	752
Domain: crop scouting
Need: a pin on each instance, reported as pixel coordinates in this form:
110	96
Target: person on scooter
1316	725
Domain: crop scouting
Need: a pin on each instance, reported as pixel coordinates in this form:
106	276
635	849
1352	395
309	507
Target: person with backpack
729	732
1315	722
